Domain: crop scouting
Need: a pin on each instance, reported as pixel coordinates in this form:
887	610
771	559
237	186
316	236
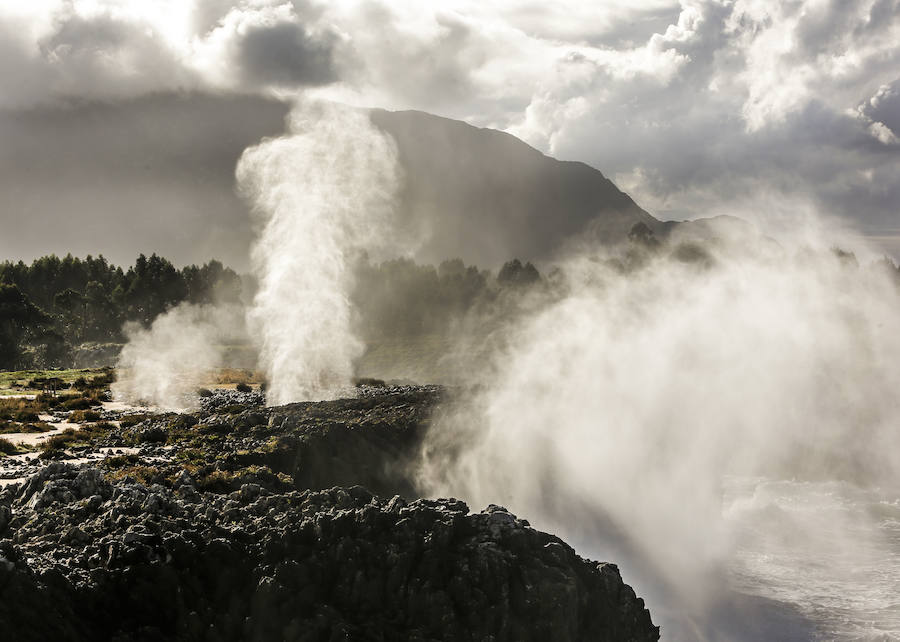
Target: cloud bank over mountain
694	108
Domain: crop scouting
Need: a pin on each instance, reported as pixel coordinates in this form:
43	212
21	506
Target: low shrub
82	416
7	447
79	403
7	427
60	441
120	461
89	432
218	481
45	383
96	382
147	475
47	400
243	387
20	409
37	426
25	416
132	420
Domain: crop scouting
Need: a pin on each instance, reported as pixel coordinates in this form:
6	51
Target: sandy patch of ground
34	439
15	469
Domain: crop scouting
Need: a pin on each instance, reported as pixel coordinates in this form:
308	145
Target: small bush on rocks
81	416
7	447
78	403
132	420
37	426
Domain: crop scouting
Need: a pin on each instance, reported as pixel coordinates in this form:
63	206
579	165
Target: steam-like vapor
163	365
322	193
621	414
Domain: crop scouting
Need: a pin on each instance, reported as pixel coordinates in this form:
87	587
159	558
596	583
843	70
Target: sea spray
616	414
164	364
321	193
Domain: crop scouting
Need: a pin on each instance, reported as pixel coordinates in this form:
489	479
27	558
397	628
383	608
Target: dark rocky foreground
241	522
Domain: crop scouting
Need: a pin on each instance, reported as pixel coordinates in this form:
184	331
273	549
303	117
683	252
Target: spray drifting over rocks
162	365
322	193
632	398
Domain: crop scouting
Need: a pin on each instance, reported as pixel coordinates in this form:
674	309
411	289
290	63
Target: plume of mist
615	412
322	193
164	364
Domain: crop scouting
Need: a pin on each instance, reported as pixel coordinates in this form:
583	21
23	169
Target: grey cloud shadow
287	54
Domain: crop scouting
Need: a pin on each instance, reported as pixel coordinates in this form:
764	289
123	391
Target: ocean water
805	561
829	550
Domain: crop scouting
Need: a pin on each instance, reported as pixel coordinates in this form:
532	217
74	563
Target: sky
695	108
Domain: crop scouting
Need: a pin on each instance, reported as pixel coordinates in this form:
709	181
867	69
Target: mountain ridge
520	201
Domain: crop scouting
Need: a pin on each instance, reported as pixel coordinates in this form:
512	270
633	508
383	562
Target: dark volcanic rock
241	522
368	441
220	398
85	559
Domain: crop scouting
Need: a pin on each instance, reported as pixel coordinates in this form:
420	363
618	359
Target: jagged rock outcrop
370	441
241	522
83	558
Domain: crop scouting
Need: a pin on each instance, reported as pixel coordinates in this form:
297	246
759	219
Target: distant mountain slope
156	174
485	196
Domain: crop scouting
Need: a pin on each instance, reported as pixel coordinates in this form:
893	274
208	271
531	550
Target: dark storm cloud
152	174
287	54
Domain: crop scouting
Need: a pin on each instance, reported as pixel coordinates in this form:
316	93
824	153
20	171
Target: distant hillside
156	174
485	196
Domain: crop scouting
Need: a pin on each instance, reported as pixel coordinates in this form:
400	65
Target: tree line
400	298
53	304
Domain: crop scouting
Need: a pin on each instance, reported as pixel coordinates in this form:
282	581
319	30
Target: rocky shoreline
299	522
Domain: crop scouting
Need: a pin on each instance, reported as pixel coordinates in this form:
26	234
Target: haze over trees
56	303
